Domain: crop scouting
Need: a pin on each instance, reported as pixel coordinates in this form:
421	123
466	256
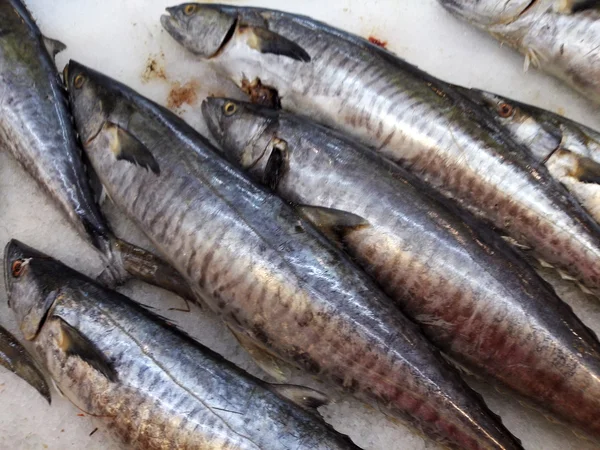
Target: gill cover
206	29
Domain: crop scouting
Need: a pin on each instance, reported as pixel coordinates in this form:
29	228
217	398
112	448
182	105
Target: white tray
121	39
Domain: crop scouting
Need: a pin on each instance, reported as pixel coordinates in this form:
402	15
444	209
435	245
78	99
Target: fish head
33	282
486	13
90	102
240	129
202	29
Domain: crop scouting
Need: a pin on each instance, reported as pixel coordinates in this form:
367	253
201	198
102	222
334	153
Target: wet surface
125	40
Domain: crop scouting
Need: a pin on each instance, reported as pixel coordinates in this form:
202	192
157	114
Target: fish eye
229	108
17	268
189	10
505	110
79	80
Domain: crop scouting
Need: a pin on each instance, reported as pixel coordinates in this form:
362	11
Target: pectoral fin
269	363
266	41
53	46
15	358
588	171
304	397
127	147
74	343
333	223
573	6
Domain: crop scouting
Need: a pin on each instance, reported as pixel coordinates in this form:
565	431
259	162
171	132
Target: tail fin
129	261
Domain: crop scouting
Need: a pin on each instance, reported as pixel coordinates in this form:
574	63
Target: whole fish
411	118
281	287
37	129
476	300
15	358
571	151
154	387
561	37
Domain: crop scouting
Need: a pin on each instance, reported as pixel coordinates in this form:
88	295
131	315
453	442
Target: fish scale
420	123
564	45
287	289
474	297
190	398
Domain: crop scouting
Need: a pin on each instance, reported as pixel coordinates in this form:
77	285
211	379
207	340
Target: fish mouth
172	25
175	28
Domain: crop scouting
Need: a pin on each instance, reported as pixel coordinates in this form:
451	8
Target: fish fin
333	223
146	266
585	289
58	389
17	359
304	397
545	264
74	343
588	171
574	6
98	190
127	147
53	46
266	41
566	276
269	363
277	164
512	241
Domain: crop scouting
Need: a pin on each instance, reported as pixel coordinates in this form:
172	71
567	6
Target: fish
14	357
115	360
419	122
560	37
570	150
288	294
36	129
475	299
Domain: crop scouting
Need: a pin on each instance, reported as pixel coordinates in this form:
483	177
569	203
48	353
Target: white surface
119	37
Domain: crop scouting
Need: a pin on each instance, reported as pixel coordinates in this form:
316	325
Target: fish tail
127	261
15	358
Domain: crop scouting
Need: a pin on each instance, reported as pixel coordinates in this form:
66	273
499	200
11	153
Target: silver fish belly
410	117
474	297
153	386
269	275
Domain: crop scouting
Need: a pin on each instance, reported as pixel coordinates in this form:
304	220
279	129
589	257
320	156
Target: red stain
378	42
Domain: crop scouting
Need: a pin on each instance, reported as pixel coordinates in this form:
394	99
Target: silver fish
561	37
408	116
476	300
15	358
36	128
571	151
153	386
281	287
